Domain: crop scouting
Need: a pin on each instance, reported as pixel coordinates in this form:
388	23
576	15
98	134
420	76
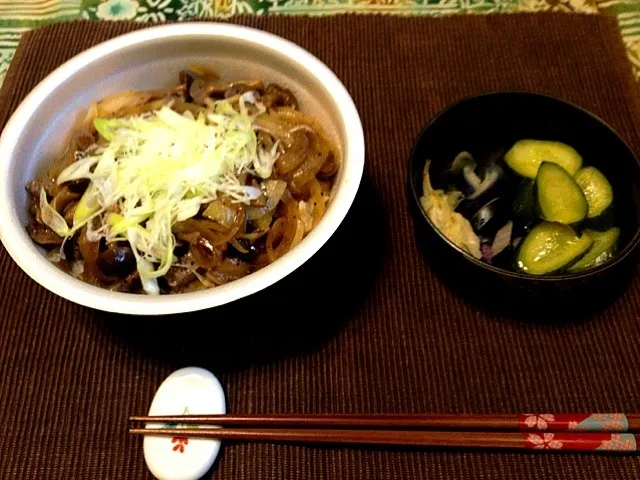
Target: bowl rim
619	257
34	264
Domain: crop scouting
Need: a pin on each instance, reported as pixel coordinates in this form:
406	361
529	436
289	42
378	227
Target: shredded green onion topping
156	169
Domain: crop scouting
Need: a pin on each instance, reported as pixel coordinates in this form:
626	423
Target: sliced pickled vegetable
464	160
603	249
471	180
560	199
526	156
523	208
551	247
490	217
439	207
596	189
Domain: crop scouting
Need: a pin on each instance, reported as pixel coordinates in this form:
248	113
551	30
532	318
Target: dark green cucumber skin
567	266
524	205
602	222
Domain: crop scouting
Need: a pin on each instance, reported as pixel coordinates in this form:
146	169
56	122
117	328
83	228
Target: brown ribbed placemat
363	327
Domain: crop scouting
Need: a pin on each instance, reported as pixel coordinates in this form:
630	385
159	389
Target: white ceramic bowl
151	58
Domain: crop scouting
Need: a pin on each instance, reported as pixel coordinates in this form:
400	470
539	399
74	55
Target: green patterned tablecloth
18	16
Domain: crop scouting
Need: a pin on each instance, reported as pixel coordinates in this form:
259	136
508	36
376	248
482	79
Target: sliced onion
317	200
204	72
279	238
310	167
253	235
330	167
112	104
204	254
233	268
236	244
471	177
228	270
219	212
295	154
187	236
257	211
463	159
305	215
502	238
288	205
296	117
77	170
275	127
63	198
51	218
274	189
489	180
215	233
298	235
264	222
254	213
285	234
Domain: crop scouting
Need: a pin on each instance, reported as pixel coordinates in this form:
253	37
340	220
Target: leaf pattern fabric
18	16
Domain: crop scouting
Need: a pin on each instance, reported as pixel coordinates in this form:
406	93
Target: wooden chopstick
618	423
544	442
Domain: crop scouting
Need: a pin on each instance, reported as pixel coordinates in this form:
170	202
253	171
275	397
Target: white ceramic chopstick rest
191	391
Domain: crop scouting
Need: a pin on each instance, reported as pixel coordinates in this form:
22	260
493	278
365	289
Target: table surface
18	16
366	325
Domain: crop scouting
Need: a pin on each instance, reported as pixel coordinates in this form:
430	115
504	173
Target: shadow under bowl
487	126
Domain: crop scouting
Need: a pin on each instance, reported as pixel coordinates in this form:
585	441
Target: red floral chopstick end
573	422
590	442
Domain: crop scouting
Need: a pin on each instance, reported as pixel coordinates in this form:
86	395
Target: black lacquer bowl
487	126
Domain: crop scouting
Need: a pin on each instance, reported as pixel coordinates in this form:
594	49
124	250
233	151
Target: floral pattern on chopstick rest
573	422
587	442
189	390
180	442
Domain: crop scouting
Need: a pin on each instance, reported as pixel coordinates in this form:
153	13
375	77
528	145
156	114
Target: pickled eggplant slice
550	248
603	249
489	218
560	198
526	156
